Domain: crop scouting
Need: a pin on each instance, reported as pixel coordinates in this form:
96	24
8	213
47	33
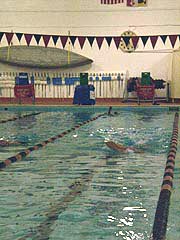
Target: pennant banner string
172	39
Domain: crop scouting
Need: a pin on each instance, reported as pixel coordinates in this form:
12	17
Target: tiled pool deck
69	102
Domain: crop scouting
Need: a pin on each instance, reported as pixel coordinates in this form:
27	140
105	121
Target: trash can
84	95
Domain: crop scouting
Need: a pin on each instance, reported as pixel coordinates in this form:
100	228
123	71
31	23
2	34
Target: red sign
24	91
145	92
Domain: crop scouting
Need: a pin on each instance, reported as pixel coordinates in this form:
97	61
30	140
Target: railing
107	85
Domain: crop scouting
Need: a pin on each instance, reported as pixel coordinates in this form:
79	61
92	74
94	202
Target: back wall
90	18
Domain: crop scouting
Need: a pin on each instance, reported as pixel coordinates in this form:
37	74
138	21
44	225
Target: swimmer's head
129	150
141	142
106	140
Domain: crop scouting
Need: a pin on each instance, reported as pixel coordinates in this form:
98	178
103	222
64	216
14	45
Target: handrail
52	74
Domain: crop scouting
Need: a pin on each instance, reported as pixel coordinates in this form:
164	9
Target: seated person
121	148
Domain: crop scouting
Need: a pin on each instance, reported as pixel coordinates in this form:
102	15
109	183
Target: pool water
76	188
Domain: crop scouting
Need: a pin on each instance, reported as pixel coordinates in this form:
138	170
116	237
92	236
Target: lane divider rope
15	118
45	228
162	210
27	151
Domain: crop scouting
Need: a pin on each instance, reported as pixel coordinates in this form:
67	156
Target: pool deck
69	102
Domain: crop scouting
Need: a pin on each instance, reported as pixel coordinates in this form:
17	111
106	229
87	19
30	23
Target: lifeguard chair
145	88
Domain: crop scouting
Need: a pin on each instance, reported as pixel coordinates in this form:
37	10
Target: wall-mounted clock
123	45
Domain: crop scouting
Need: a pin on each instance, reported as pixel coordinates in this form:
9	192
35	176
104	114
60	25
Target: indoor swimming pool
76	188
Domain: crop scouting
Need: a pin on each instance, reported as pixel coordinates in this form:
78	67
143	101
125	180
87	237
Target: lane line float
162	210
15	118
24	153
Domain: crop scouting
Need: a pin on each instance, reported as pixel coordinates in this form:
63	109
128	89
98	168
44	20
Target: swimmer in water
110	113
5	143
121	148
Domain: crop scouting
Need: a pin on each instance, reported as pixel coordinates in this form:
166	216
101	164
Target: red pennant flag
9	37
28	38
135	40
130	3
153	40
81	41
173	39
63	40
117	41
46	39
99	41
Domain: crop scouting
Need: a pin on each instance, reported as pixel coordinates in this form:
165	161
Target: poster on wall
137	3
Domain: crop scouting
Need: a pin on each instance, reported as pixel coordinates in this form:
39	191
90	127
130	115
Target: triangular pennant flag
99	41
144	39
91	40
37	38
108	40
130	3
1	35
63	40
81	41
9	37
173	39
46	39
55	39
163	37
153	40
135	40
19	36
73	39
126	40
117	41
28	38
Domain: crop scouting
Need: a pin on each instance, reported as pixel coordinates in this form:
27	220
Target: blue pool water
76	188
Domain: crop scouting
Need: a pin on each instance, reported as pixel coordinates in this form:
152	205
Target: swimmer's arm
14	143
115	146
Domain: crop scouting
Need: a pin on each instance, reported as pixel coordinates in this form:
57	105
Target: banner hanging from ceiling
91	40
